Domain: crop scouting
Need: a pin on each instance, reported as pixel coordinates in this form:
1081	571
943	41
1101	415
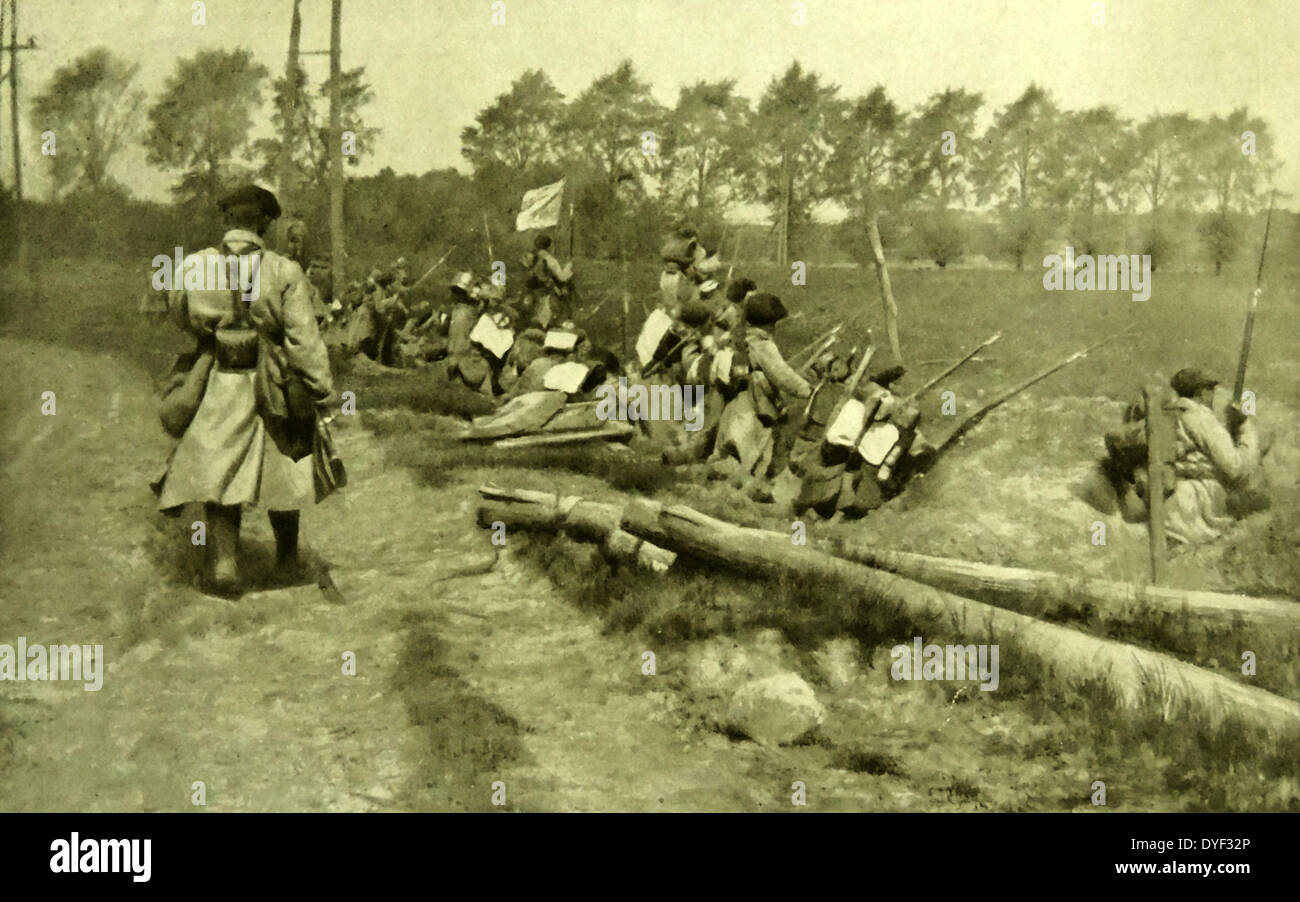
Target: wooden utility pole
337	250
291	107
20	219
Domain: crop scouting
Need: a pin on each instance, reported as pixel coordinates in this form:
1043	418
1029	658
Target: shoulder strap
242	318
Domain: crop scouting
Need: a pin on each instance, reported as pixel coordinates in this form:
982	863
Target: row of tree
200	127
801	146
805	144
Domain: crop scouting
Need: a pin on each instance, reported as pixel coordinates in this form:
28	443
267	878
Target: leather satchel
328	472
283	401
182	390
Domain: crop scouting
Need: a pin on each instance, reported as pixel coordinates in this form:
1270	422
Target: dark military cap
1188	381
253	197
695	314
737	290
887	377
764	309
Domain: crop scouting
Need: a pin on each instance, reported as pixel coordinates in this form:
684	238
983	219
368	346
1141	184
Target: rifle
656	365
974	417
434	267
950	370
817	345
1240	384
852	385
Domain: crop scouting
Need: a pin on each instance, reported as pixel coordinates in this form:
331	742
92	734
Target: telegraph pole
20	221
286	189
337	250
291	107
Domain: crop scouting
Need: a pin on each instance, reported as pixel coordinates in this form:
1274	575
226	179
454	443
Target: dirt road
250	697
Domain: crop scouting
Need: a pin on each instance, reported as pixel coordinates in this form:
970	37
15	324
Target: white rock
775	710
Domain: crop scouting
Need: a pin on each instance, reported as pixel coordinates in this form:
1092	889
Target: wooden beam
338	247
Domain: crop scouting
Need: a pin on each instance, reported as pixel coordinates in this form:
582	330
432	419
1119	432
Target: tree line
922	174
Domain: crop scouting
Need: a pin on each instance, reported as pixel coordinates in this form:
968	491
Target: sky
433	64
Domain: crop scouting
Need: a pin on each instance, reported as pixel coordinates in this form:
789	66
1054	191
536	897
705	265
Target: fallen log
588	521
1040	592
1135	676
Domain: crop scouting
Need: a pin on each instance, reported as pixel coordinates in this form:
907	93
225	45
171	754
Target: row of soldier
825	435
841	437
487	339
847	447
847	443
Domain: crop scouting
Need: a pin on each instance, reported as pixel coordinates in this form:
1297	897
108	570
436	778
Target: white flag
540	208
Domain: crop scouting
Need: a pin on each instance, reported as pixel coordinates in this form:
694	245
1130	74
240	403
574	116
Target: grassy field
1006	494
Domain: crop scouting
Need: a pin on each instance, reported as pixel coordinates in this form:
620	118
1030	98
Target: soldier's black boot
285	526
223	536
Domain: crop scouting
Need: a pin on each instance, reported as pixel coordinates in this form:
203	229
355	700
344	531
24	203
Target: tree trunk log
1135	676
588	521
1040	592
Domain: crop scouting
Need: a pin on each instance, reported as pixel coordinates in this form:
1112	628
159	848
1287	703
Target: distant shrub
1222	238
1022	235
941	237
1159	245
